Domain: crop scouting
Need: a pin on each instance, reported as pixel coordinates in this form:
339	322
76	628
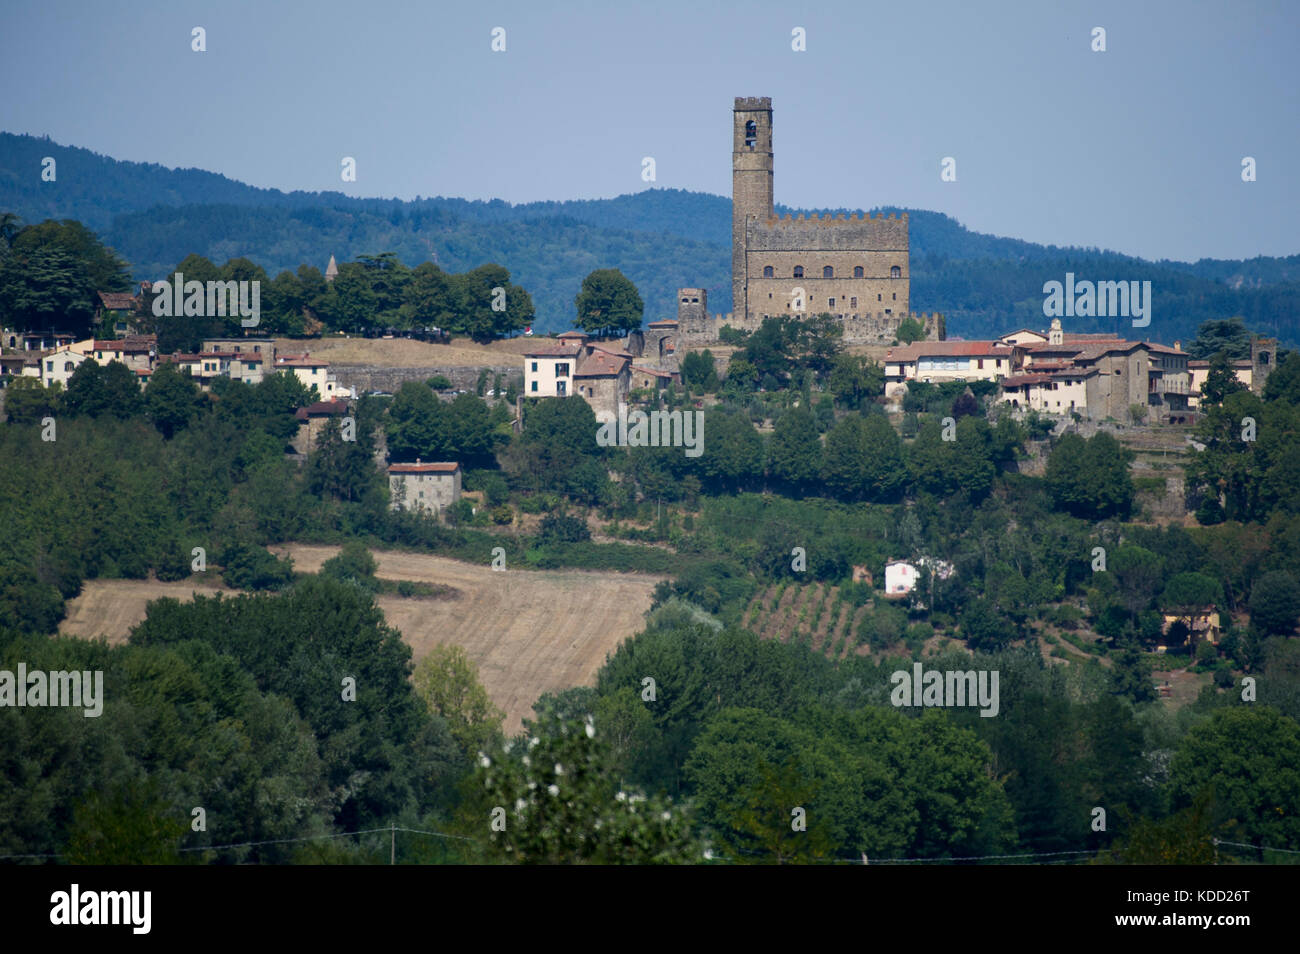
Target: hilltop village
683	558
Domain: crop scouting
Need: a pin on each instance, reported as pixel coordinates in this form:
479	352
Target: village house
1201	626
936	361
312	372
116	311
251	357
58	366
312	420
574	365
420	486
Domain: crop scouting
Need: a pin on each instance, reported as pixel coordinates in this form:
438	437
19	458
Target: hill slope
661	238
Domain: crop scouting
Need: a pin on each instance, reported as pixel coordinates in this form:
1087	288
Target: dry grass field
112	607
528	631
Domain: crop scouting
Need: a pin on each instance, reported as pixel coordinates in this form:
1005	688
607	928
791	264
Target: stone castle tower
855	268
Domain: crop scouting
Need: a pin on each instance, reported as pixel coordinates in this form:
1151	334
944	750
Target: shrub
247	567
439	382
562	528
503	515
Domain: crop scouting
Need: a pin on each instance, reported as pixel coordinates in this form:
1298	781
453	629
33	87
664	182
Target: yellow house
1200	626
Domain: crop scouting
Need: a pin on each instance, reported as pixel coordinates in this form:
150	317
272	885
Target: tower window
857	271
767	271
831	302
878	298
798	271
828	272
895	296
853	302
895	272
751	133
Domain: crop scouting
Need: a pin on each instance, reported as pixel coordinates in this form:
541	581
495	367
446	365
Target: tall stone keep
751	182
853	267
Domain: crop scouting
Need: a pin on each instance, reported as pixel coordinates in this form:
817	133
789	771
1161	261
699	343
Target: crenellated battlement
752	102
837	219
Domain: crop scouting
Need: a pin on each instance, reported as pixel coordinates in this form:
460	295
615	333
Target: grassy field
407	353
528	631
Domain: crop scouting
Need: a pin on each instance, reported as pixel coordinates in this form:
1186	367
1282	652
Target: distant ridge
661	238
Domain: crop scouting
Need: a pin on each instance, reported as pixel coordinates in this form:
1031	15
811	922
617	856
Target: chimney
1178	346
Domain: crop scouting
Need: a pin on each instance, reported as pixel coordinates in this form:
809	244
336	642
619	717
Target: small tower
1055	337
693	314
1263	355
331	270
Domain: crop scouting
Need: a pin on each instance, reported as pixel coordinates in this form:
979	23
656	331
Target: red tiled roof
602	364
927	349
118	301
321	409
419	468
564	350
655	371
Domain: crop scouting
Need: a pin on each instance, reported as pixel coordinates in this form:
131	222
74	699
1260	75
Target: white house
900	578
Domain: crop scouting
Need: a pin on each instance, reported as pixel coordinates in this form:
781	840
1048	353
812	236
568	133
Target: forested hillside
660	238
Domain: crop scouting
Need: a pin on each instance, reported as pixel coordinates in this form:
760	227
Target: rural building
59	365
574	365
312	420
936	361
1201	626
420	486
312	372
900	578
252	356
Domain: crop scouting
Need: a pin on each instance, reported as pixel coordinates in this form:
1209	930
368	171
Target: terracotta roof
1161	349
1020	380
419	468
563	350
657	372
297	361
321	409
602	364
118	301
940	349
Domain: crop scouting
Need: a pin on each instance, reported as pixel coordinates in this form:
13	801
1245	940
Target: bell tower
751	183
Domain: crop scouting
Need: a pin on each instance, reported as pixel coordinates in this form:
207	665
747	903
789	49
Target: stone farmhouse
572	364
429	487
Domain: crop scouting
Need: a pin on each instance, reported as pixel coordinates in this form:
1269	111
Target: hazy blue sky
1137	149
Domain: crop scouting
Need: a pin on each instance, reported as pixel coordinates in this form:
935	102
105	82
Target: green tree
27	401
353	564
699	372
1248	759
95	390
795	450
608	304
448	682
1090	479
910	330
1220	380
855	379
1275	603
1221	335
172	400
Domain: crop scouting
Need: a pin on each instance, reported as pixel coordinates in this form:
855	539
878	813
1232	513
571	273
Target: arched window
798	271
67	366
895	272
767	271
828	272
857	271
751	133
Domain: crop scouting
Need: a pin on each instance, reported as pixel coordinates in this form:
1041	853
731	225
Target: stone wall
366	379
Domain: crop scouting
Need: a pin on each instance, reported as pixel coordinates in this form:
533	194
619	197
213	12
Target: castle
852	267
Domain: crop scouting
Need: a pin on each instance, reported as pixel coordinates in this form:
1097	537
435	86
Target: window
853	302
751	133
828	272
798	271
534	385
831	302
49	365
534	367
895	296
67	366
877	298
99	356
562	369
857	271
895	272
768	271
980	364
